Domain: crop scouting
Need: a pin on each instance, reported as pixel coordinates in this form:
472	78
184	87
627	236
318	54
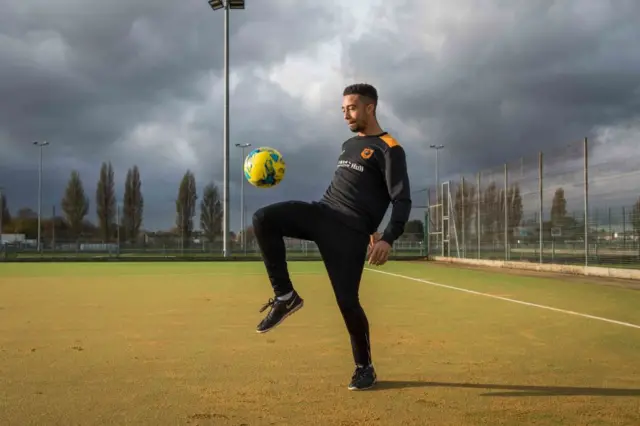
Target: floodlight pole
226	5
225	131
242	215
40	145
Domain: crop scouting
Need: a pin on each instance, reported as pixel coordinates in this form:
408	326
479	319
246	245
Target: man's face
356	113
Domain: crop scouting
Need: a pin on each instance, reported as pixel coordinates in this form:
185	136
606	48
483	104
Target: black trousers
343	251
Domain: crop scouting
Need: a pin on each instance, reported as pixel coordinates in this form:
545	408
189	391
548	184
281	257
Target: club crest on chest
366	153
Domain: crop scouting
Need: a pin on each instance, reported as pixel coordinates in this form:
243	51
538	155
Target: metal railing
577	205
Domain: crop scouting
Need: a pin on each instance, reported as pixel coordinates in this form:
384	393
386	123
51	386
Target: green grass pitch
175	344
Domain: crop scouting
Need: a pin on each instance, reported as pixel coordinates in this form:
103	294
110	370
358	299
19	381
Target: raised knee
261	217
258	217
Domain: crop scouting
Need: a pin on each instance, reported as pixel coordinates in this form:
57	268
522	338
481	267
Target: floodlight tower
40	145
243	146
227	5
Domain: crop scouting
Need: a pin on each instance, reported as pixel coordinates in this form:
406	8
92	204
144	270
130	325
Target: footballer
371	174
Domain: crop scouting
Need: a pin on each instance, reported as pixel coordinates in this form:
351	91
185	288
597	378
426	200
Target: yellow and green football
264	167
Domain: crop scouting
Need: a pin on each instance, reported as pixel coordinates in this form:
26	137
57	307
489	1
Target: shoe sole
288	314
362	389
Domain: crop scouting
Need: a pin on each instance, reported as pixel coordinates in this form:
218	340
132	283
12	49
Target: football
264	167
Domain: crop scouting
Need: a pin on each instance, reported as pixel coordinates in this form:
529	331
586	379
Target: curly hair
366	91
363	89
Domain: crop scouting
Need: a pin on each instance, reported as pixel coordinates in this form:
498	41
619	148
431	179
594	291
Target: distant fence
410	246
578	205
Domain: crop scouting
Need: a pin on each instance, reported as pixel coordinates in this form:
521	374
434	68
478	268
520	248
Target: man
371	173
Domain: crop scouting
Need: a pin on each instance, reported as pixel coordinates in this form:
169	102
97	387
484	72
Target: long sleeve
397	178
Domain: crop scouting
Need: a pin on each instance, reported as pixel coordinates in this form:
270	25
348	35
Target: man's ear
371	108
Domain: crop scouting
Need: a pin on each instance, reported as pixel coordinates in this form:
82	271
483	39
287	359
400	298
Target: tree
465	207
26	222
248	234
635	218
515	208
75	204
5	214
499	213
133	205
414	230
211	212
186	206
558	208
106	202
490	212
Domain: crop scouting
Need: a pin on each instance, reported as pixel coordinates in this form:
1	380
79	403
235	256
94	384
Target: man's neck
373	129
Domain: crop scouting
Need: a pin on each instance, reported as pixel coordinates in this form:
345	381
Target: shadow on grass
513	390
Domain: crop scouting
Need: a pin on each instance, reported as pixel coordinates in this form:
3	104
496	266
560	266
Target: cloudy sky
140	82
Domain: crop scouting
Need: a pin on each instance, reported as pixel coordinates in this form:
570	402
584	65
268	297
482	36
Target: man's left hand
375	237
379	253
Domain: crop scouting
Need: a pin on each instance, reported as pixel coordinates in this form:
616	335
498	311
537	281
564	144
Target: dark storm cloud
502	81
310	147
82	75
85	75
139	83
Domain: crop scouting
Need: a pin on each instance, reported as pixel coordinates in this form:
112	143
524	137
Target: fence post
540	205
53	228
624	229
425	233
1	210
427	226
478	212
462	219
586	203
506	213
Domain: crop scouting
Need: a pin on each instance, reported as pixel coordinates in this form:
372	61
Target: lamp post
40	145
243	146
227	5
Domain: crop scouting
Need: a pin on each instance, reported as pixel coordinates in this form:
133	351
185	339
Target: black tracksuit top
371	173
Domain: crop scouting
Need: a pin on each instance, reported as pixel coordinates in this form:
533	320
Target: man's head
359	102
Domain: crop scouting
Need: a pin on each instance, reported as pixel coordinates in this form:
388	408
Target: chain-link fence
410	245
579	204
59	240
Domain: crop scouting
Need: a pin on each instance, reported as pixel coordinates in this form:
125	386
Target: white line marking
535	305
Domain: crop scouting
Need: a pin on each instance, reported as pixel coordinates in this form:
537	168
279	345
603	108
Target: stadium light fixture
226	5
236	4
216	4
40	145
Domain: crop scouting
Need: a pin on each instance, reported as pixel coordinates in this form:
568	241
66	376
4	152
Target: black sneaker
280	309
363	378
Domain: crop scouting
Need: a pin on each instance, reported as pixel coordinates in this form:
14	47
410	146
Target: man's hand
375	237
378	250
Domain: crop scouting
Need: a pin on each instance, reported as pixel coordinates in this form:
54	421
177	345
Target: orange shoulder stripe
389	140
